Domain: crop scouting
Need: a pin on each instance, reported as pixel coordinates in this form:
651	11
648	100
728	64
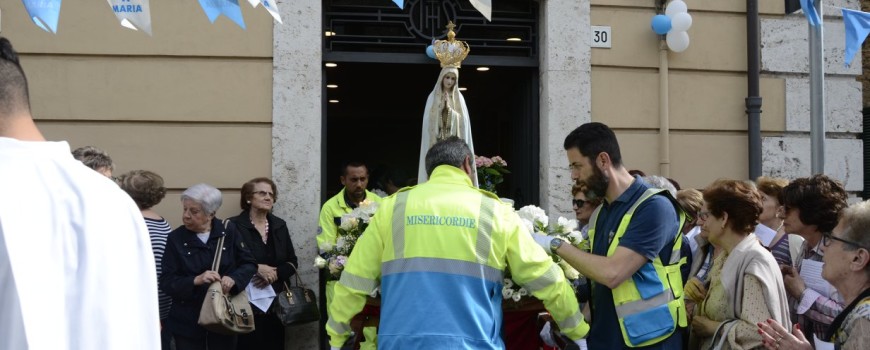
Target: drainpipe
664	112
753	99
664	120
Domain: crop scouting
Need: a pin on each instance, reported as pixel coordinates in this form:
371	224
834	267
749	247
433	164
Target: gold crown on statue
451	52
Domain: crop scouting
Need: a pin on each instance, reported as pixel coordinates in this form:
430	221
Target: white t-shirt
76	266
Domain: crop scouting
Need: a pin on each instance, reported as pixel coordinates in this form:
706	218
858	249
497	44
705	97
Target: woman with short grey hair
187	263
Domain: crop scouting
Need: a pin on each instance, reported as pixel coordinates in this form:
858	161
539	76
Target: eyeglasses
827	237
578	202
264	193
703	215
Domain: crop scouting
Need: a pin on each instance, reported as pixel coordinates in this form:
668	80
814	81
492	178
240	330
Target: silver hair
661	182
856	223
451	151
207	196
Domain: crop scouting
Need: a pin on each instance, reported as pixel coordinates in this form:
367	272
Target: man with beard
635	262
355	178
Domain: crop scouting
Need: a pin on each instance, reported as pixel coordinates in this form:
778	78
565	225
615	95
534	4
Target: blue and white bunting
44	13
400	3
484	7
230	8
133	14
810	12
857	28
270	6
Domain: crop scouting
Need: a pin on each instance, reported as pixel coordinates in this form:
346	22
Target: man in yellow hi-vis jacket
438	251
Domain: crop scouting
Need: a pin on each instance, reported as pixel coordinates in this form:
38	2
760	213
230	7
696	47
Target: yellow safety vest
650	304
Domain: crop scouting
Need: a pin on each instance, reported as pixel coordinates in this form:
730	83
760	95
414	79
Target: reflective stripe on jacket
650	304
438	251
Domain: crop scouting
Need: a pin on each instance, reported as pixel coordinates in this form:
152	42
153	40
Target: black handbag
297	304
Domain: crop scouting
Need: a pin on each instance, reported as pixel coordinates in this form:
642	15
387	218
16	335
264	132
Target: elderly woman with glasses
847	267
746	285
187	268
269	240
811	207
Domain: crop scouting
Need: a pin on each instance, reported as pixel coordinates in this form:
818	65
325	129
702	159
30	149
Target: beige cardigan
749	257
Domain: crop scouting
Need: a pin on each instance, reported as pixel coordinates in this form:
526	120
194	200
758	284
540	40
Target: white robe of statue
437	122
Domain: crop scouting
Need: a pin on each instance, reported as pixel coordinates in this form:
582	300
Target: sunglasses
578	202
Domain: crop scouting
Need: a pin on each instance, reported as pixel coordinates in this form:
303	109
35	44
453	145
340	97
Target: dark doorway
379	113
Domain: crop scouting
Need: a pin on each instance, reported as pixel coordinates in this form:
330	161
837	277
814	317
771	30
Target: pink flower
498	160
478	161
341	260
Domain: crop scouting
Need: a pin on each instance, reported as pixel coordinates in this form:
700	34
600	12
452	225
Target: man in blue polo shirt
636	298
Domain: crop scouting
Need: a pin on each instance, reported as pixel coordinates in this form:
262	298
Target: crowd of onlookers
771	263
774	263
257	244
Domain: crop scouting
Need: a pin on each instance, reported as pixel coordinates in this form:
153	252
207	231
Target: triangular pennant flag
857	28
270	6
44	13
810	12
133	14
484	7
400	3
230	8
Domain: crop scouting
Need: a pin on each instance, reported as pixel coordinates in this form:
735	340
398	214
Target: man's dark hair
593	138
354	164
451	151
13	83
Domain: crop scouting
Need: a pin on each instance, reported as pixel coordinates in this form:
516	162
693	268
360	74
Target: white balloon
675	7
678	41
681	22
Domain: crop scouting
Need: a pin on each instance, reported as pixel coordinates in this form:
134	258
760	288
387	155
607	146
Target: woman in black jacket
187	264
269	240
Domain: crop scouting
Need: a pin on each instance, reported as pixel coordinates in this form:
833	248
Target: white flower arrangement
537	222
351	228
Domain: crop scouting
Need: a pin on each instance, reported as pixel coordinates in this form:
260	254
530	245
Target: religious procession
596	179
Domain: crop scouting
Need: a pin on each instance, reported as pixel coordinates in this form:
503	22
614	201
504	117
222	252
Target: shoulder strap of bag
295	273
215	264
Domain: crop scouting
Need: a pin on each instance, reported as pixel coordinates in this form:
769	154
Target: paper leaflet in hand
260	297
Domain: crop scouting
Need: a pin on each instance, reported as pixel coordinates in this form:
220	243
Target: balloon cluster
674	24
430	50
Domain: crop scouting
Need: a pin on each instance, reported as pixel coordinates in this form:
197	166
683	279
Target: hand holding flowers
351	228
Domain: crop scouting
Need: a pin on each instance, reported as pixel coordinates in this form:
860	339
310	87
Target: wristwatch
555	243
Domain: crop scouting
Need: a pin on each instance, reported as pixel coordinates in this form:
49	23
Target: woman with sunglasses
268	238
847	267
583	207
811	207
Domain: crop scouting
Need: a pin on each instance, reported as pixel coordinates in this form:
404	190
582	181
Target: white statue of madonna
446	114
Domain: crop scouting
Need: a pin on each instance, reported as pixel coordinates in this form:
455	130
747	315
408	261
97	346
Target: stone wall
864	78
785	54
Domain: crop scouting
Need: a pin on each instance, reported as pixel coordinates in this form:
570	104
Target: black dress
278	252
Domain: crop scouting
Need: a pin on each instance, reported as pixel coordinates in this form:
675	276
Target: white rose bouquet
537	221
351	228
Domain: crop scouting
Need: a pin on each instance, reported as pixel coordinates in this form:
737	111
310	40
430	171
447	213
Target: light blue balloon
430	51
661	24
